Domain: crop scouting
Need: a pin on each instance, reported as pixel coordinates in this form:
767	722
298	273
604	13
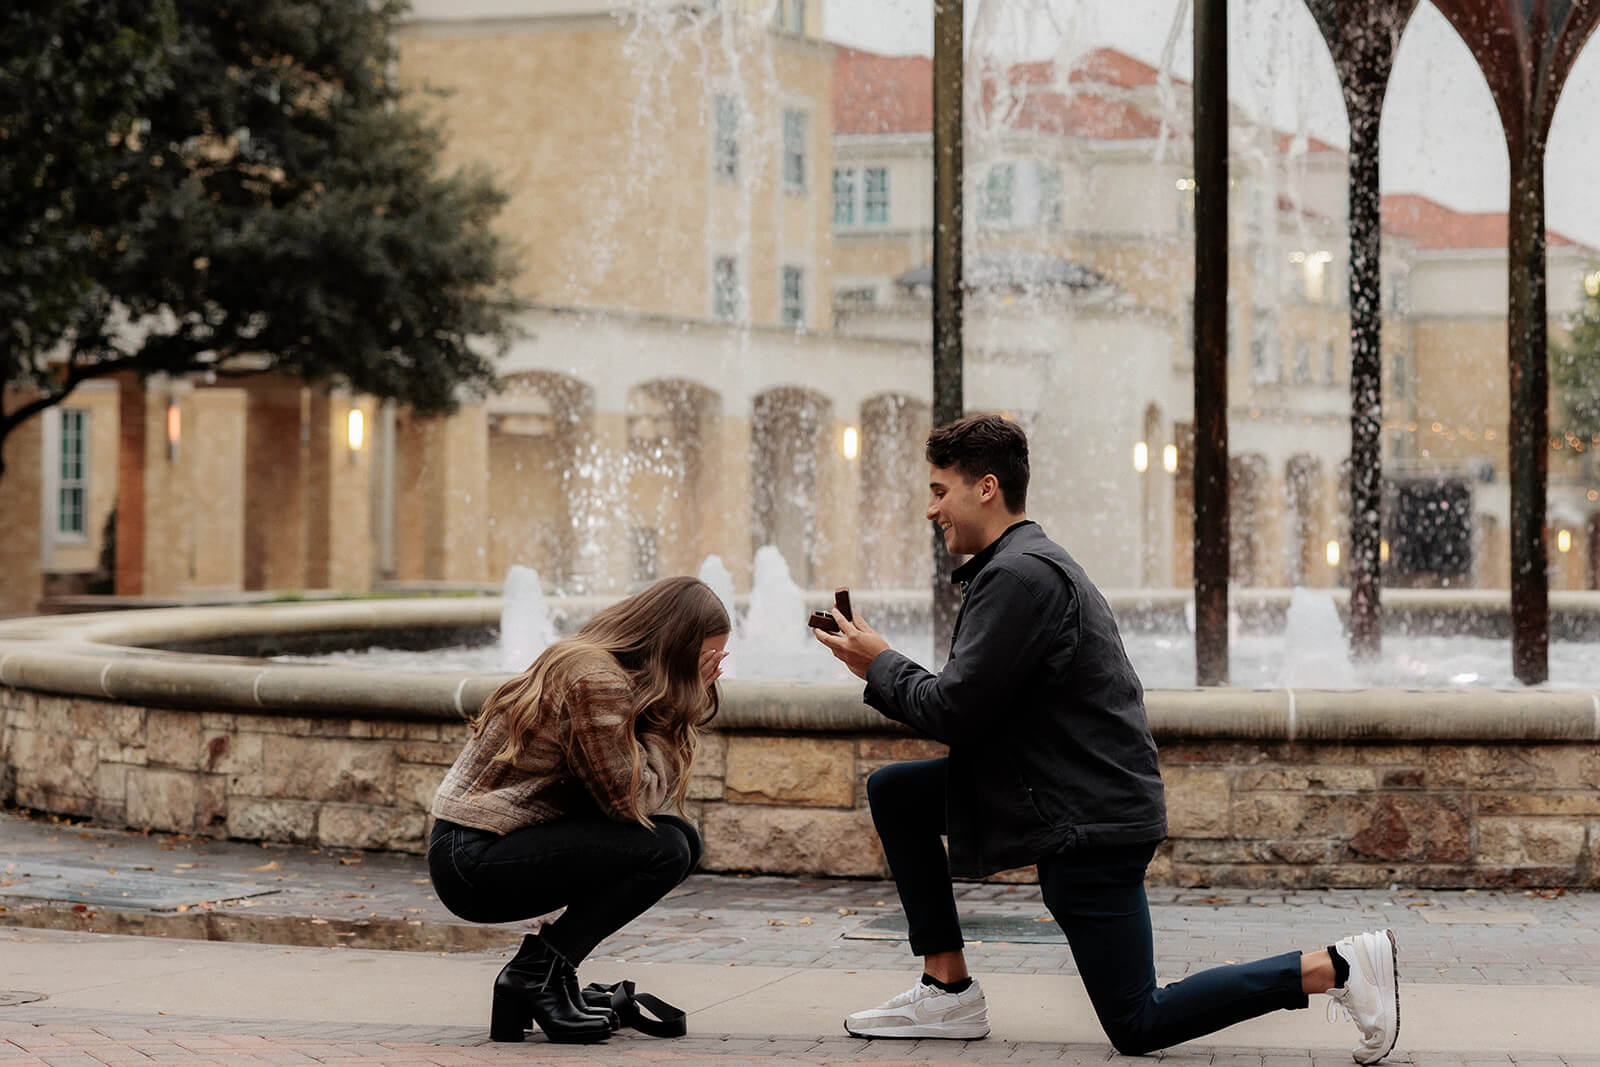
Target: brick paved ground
1497	939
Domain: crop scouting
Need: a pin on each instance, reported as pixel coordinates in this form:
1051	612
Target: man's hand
711	666
856	644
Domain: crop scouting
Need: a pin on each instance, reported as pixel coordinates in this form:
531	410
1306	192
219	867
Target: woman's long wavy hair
656	636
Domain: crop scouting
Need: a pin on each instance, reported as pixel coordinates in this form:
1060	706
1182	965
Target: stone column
603	561
22	515
130	486
724	528
217	486
838	512
453	479
275	486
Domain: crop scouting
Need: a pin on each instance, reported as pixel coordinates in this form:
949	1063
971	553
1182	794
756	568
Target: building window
791	15
726	149
844	196
72	490
1050	196
998	190
794	300
855	296
875	196
794	150
1185	205
1302	362
1330	364
1263	348
725	288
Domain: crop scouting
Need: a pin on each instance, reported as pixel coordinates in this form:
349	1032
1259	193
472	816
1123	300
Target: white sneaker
925	1011
1371	996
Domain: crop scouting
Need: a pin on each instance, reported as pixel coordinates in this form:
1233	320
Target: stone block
315	768
172	739
1305	778
1530	842
1268	814
898	749
292	821
1432	828
791	770
430	753
711	758
369	826
162	799
1198	801
773	840
1481	767
55	763
705	787
1565	804
415	785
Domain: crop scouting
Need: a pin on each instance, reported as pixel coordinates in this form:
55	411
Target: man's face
956	504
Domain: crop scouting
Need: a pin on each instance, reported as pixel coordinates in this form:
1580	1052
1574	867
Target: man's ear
988	487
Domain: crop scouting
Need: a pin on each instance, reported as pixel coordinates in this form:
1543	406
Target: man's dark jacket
1043	714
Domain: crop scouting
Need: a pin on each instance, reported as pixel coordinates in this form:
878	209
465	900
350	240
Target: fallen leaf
183	907
272	866
349	861
847	911
319	922
806	921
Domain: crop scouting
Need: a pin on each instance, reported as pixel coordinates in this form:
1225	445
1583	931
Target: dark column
1526	49
947	395
1530	421
1362	36
1211	342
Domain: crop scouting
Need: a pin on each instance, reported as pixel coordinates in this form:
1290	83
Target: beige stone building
724	225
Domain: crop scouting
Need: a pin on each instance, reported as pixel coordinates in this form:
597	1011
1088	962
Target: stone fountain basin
120	717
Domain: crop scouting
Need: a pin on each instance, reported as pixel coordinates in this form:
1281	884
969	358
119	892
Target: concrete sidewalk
766	966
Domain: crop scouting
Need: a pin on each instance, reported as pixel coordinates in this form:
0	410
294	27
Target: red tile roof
1432	225
881	94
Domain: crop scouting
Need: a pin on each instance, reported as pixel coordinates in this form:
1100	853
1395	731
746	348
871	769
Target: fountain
525	626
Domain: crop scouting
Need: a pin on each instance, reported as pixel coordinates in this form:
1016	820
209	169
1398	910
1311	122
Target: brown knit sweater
589	748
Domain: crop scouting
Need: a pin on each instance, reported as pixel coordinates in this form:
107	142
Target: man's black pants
1097	897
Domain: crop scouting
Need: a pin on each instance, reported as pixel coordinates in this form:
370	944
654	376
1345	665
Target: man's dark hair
985	444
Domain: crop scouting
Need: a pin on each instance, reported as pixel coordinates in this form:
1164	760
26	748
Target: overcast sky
1440	137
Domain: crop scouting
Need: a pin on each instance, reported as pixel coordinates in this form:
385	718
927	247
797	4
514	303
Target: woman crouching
555	800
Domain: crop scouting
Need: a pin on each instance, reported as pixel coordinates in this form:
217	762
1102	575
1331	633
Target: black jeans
605	873
1097	897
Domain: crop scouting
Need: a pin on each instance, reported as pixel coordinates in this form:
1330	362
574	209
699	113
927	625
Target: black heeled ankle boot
575	994
533	987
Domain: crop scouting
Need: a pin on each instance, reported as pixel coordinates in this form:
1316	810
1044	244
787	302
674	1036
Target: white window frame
848	176
988	212
868	201
733	309
792	312
66	483
796	150
1265	362
726	120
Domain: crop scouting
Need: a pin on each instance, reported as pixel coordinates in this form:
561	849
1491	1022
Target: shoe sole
1394	976
960	1032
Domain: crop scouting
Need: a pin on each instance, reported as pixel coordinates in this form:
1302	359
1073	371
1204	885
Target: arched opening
1302	478
1247	477
538	426
670	424
893	534
787	438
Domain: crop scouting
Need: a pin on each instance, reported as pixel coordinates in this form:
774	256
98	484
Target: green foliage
1575	371
245	186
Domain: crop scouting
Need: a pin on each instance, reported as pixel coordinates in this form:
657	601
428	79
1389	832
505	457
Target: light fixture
851	443
1169	459
355	429
1564	541
1591	284
174	428
1141	457
1333	553
1383	551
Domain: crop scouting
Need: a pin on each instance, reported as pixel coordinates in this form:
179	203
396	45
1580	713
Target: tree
1575	367
232	188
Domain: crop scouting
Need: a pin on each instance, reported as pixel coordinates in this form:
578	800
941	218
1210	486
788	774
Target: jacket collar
969	570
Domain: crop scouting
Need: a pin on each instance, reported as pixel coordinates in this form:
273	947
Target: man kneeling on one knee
1050	762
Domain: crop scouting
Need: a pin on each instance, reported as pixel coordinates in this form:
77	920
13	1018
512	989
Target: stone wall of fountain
1267	787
